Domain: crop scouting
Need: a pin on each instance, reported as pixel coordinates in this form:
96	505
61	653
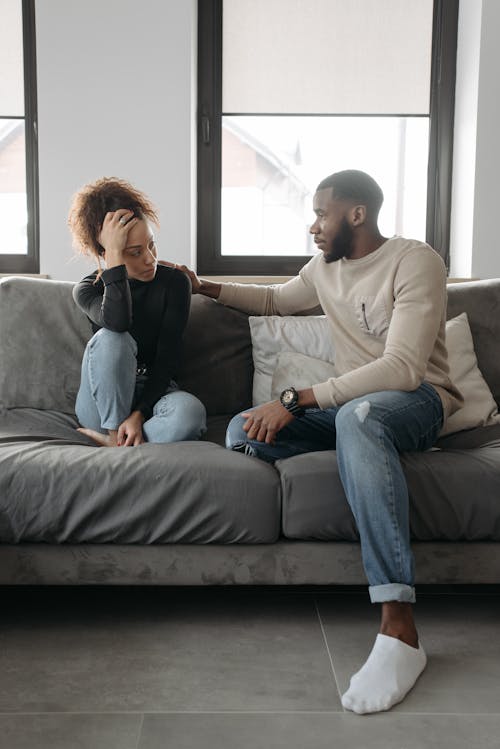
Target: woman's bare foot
103	440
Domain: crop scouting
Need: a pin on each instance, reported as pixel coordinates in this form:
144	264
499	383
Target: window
18	149
285	99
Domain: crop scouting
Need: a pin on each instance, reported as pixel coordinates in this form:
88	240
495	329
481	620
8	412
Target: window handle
205	129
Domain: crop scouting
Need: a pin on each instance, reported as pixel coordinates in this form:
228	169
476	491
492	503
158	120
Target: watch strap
295	410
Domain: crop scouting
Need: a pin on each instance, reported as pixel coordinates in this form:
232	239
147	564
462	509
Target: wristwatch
289	398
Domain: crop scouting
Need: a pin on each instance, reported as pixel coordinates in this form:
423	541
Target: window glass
290	92
272	165
13	213
11	58
18	250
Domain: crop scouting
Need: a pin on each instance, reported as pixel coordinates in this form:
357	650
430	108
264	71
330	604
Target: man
385	300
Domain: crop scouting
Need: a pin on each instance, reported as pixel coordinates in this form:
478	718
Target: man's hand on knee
264	422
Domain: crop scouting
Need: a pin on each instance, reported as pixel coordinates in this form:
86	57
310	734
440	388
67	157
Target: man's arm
296	295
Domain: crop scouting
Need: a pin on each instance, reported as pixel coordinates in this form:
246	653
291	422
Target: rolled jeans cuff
392	592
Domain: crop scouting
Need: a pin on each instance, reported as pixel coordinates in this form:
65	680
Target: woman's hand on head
130	431
195	281
114	234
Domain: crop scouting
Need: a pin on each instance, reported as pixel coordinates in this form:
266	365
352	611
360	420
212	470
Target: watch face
288	396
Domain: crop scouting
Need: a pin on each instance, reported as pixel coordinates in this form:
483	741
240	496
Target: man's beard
342	243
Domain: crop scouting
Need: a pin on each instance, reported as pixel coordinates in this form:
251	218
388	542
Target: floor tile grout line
139	732
328	651
146	713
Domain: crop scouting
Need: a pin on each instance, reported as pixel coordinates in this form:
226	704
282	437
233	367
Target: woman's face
140	256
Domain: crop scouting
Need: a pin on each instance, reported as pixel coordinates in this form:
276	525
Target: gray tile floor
144	668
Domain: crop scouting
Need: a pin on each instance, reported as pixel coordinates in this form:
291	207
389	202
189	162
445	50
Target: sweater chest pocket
372	315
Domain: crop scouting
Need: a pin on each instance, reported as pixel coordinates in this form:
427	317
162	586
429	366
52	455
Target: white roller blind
11	59
327	56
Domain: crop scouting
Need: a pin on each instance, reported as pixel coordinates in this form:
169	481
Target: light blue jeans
109	387
368	434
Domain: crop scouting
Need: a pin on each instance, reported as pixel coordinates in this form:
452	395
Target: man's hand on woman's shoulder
195	281
198	285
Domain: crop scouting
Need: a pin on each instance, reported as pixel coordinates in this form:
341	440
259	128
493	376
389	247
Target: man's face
332	232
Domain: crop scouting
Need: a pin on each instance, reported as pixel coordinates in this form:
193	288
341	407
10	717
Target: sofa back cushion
42	338
217	364
481	301
43	335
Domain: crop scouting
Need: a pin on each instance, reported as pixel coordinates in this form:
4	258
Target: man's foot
390	672
245	449
397	621
102	440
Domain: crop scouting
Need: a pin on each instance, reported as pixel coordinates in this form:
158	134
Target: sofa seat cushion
57	488
35	424
454	495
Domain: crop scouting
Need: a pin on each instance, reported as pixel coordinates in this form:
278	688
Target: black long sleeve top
155	314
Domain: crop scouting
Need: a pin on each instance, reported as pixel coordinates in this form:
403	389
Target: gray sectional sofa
194	513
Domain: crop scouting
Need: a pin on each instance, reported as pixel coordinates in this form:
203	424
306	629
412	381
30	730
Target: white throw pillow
299	351
480	408
309	335
300	371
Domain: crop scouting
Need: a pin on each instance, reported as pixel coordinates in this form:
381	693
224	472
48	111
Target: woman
138	310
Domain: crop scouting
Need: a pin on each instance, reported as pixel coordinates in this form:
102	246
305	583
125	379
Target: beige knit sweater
387	315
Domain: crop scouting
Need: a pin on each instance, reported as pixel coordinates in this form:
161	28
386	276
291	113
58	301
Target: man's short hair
352	184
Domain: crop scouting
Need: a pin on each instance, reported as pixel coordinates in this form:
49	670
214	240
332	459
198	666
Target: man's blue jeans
368	434
109	387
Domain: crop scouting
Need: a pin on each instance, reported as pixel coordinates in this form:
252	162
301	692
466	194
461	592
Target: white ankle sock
387	676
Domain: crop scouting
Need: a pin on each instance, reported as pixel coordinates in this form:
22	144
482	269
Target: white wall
476	167
485	247
464	143
116	97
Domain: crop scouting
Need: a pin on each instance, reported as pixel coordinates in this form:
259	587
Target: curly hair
90	205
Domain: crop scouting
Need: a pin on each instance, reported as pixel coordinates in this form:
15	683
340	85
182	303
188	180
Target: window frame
209	144
29	262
